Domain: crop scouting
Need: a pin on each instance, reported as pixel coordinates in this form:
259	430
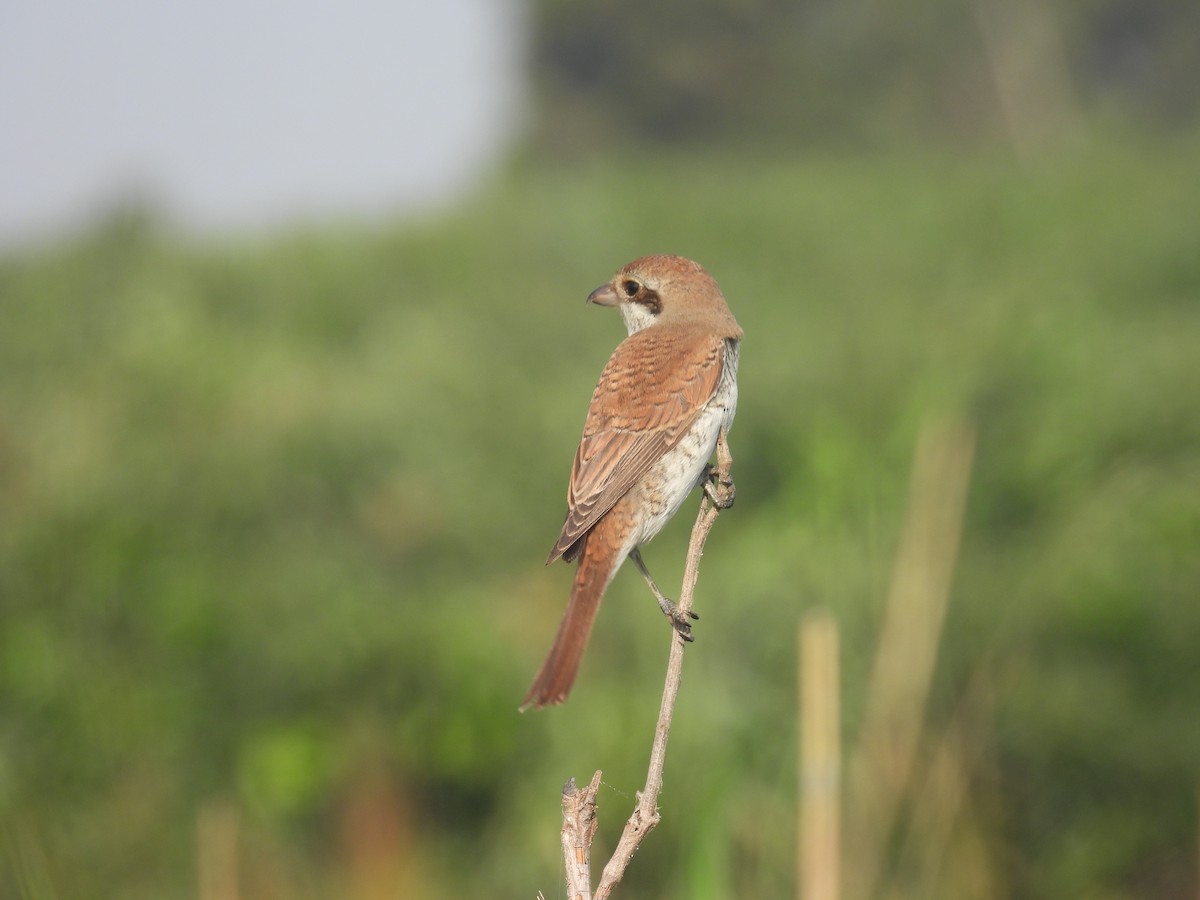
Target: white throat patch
636	316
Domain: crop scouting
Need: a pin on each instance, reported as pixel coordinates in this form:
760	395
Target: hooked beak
605	295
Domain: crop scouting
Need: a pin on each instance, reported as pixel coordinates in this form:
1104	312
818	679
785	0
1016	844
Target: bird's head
666	290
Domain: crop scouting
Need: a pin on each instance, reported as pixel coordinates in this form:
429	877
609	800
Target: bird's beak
605	295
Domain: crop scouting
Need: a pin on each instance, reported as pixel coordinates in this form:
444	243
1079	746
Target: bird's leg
679	619
718	484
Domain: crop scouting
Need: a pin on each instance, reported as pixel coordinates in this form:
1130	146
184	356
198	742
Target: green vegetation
272	520
853	73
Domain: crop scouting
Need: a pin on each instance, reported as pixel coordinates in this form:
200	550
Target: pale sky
244	114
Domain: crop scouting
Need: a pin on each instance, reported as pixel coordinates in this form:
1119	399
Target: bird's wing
654	386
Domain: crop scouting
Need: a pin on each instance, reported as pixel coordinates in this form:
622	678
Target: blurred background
294	358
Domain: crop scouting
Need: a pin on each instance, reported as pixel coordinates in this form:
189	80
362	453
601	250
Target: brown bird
665	396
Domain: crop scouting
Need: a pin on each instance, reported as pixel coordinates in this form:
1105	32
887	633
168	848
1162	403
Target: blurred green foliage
837	73
272	519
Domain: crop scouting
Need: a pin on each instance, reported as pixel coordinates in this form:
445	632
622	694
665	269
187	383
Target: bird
665	396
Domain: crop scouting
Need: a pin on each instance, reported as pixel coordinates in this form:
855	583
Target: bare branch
718	495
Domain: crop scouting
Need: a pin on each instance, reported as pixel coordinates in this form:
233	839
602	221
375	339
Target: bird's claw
719	488
680	620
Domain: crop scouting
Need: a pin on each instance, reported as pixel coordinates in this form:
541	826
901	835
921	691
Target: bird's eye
630	288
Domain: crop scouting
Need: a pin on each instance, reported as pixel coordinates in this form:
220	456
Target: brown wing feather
651	391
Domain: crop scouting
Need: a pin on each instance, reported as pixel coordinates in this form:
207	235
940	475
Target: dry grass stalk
820	759
916	604
217	826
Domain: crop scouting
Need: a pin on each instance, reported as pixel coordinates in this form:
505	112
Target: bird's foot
681	621
719	488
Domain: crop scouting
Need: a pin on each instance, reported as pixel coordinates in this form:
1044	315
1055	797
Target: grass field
272	519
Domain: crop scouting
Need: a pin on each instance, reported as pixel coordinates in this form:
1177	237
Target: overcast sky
247	113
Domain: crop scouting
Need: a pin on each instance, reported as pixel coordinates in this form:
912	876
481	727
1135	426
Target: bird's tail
553	681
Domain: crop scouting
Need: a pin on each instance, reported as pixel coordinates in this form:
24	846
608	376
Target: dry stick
820	759
645	814
217	850
579	827
579	822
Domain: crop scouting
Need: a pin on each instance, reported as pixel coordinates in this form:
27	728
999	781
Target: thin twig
579	806
645	815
